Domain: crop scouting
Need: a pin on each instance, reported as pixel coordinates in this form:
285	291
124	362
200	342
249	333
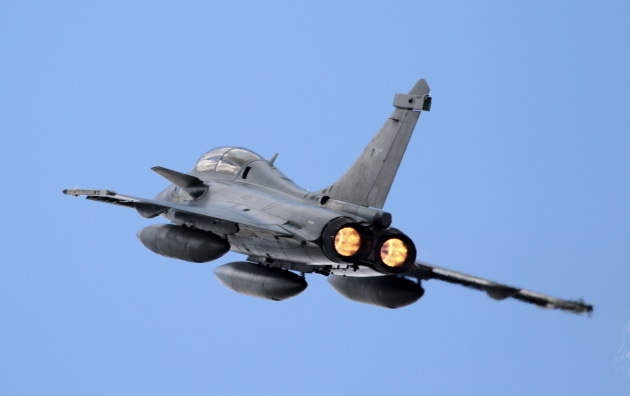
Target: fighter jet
235	200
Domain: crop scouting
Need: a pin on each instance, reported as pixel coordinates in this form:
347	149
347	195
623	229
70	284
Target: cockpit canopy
226	160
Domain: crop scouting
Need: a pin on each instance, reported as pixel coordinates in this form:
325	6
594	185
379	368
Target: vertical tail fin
370	178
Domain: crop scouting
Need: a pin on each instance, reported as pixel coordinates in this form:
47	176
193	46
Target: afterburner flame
347	241
393	252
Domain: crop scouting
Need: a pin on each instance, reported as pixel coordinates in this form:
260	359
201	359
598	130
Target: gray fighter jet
235	200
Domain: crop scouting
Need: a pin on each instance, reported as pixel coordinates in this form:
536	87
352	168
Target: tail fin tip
421	88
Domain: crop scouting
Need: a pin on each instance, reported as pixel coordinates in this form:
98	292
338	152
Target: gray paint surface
264	215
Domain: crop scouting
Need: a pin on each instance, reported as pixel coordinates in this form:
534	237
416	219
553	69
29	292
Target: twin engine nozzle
388	250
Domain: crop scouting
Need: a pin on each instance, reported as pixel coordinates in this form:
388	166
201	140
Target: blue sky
520	173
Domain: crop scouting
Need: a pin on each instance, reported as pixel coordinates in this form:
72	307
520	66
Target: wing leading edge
496	290
151	208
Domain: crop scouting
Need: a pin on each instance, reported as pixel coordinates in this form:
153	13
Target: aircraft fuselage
270	199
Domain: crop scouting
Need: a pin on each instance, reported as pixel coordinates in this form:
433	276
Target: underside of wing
496	290
150	208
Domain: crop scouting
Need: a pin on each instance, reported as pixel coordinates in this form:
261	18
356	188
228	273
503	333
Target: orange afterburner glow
394	252
347	241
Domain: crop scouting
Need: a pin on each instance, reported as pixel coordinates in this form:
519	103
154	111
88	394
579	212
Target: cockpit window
234	159
208	162
226	160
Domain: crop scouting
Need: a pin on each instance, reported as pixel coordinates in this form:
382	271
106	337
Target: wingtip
587	309
71	191
578	307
